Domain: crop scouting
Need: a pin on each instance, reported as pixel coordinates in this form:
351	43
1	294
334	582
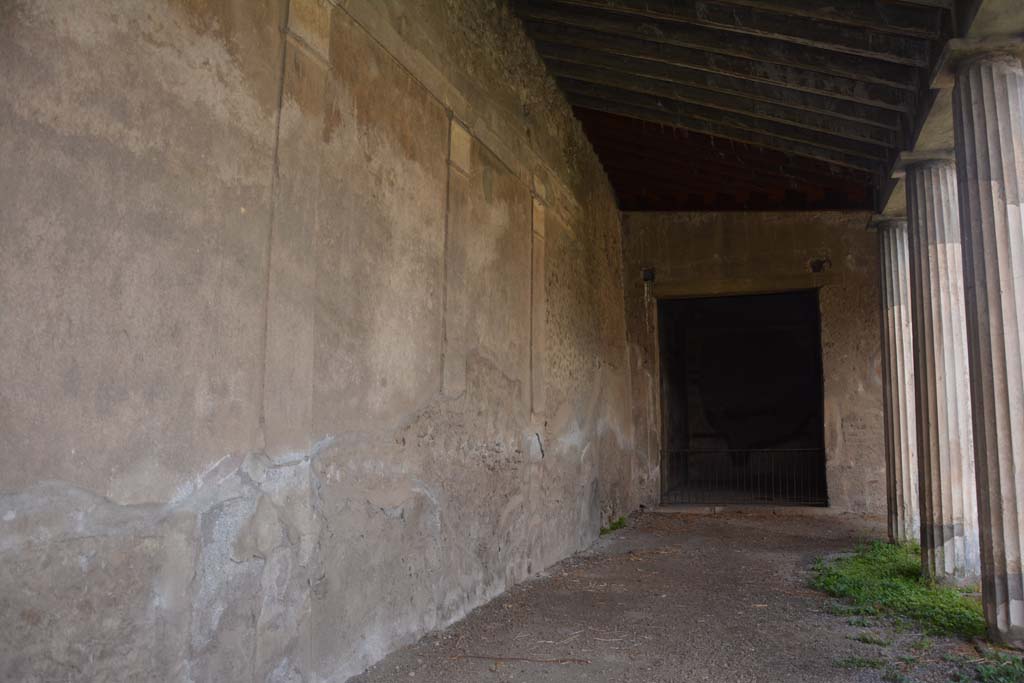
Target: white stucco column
949	519
988	110
898	383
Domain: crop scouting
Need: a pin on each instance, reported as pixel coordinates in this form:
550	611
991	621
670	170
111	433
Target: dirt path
673	598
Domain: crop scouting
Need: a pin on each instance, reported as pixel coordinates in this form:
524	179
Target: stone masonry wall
313	333
711	254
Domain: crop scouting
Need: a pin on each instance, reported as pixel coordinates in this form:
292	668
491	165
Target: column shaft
898	381
949	524
989	129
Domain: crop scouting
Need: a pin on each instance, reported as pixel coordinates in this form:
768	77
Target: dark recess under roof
744	104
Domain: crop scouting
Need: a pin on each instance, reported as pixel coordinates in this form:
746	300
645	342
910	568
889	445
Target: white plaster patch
190	486
182	491
219	576
10	515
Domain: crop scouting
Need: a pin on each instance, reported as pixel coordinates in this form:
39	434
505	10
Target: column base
1013	637
951	547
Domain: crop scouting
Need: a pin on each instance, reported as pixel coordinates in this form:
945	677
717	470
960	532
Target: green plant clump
1001	668
922	644
859	663
613	526
887	578
871	639
893	675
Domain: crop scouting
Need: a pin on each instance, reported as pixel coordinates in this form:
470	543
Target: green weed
840	610
892	675
859	663
1000	668
871	639
887	579
613	526
922	644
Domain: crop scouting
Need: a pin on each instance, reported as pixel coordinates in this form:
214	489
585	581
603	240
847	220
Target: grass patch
838	609
886	579
997	668
871	639
896	676
613	526
922	644
860	663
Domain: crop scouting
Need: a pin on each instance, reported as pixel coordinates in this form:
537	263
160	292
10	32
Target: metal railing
793	476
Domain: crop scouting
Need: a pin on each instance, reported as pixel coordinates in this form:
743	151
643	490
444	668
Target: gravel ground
682	597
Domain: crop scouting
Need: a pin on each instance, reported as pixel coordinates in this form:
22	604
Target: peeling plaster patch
189	487
296	457
323	444
285	672
229	555
219	575
574	437
183	491
435	506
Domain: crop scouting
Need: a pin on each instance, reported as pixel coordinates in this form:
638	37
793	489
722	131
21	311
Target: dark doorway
742	400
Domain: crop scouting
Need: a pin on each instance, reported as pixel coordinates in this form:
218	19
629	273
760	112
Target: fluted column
898	383
988	109
949	524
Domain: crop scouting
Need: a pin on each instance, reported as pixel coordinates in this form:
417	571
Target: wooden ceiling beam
890	17
748	168
842	110
736	104
883	96
660	137
939	4
744	46
752	137
851	40
663	138
782	132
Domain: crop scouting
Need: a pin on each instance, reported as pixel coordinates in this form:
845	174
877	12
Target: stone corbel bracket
905	159
959	50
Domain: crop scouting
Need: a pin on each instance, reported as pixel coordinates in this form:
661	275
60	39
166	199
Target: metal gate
748	477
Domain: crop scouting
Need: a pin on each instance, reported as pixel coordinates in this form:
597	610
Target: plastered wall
711	254
313	333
